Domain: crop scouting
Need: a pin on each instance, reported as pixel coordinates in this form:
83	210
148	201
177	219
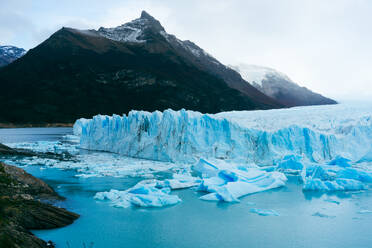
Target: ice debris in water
330	200
147	193
365	211
264	212
336	175
92	163
321	215
334	178
180	181
228	183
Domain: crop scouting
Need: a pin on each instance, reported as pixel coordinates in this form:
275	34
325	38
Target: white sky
325	45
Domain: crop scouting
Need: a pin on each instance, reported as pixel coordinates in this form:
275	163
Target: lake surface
306	220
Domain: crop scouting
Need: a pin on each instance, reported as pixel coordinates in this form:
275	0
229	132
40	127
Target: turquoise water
306	220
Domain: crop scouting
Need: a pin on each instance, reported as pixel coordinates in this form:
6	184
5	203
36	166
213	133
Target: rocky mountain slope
80	73
8	54
280	87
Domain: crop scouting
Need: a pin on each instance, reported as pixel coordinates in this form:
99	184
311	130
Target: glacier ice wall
318	134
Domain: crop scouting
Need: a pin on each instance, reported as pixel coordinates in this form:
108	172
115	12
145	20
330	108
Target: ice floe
264	212
322	215
144	194
229	184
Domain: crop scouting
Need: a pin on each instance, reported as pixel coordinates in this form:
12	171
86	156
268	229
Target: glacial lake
306	219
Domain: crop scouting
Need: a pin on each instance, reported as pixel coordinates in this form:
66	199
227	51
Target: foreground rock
22	208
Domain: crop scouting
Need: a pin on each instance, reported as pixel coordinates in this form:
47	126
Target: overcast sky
325	45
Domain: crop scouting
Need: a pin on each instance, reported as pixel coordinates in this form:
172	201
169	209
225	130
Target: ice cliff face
316	134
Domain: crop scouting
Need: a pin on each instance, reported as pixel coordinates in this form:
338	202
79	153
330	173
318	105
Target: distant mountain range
279	86
138	65
10	53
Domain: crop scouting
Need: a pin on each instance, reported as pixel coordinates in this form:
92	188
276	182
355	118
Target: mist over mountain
280	87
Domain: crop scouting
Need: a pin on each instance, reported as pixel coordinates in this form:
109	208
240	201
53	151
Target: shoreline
26	203
23	208
31	125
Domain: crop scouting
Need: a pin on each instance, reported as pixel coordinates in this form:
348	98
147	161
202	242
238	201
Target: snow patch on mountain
8	54
255	74
129	32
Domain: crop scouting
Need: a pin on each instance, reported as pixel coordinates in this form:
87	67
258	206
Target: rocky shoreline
27	125
23	206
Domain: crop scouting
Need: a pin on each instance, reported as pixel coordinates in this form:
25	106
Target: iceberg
229	183
334	178
146	193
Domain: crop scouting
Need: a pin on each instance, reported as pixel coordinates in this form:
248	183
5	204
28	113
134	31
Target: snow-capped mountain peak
139	29
133	31
10	53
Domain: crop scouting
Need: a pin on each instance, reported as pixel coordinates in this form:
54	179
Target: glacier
329	147
318	134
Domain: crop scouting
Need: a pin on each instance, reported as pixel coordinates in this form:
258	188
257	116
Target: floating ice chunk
365	211
144	194
264	212
228	184
71	138
332	201
340	161
336	185
321	215
356	174
206	169
180	181
334	178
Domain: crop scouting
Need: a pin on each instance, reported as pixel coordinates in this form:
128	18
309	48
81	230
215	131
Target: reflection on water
302	222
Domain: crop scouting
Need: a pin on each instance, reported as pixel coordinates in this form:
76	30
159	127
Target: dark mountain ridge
80	73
